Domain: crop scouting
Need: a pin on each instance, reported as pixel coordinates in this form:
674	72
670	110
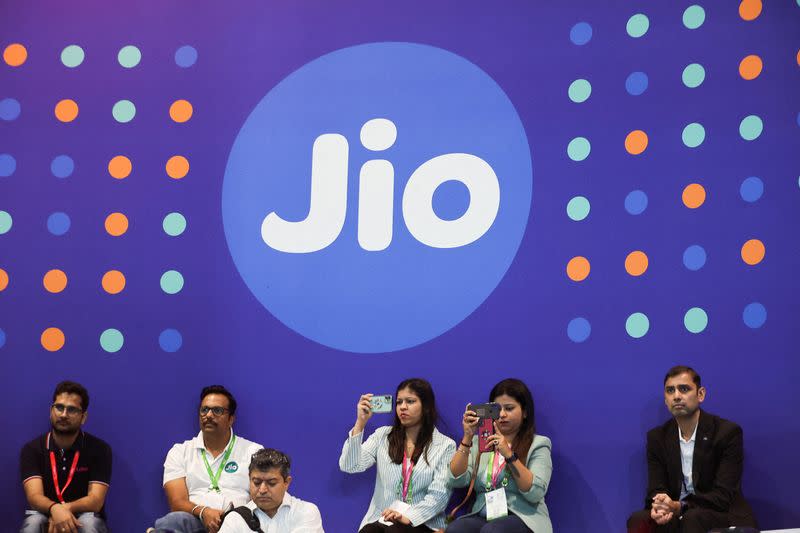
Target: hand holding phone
381	403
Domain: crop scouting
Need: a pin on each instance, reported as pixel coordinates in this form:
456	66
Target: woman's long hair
520	392
397	436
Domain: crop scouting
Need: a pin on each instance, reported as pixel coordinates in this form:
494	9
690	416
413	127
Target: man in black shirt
66	472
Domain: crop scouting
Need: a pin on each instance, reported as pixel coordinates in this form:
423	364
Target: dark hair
397	435
520	392
219	389
70	387
267	459
680	369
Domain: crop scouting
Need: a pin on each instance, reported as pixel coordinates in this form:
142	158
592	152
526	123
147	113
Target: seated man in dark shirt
694	464
66	472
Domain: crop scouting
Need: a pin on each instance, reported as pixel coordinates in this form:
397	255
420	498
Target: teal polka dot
129	56
124	111
174	224
693	17
637	325
695	320
579	90
72	56
578	208
693	135
111	340
693	75
578	148
638	25
751	127
171	282
5	222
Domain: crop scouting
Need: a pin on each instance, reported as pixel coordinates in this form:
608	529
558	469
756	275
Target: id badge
496	505
399	506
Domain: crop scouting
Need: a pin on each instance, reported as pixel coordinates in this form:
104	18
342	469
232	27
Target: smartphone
488	413
381	403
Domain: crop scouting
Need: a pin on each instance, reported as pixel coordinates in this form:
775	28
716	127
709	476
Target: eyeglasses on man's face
71	410
216	410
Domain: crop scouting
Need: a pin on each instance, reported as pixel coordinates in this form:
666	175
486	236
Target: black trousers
694	520
377	527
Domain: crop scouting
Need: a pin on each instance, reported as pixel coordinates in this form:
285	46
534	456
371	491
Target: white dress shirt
687	456
185	460
429	494
293	516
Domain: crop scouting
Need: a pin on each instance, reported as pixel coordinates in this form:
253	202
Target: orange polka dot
750	9
798	57
180	111
636	263
753	252
177	167
113	282
15	54
52	339
116	224
693	195
120	167
636	142
750	67
66	110
3	279
578	268
55	281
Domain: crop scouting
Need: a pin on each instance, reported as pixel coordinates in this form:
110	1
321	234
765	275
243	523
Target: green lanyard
489	468
215	478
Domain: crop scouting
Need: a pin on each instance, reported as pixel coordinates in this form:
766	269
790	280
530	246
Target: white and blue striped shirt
429	494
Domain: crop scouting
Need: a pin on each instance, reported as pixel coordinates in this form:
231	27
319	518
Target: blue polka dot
9	109
185	56
636	202
62	166
751	189
58	223
2	338
450	200
694	257
581	33
170	340
7	165
636	83
798	118
578	329
754	315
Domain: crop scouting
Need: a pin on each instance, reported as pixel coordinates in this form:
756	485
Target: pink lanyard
498	463
408	467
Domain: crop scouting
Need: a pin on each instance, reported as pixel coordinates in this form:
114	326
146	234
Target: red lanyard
408	467
497	466
60	492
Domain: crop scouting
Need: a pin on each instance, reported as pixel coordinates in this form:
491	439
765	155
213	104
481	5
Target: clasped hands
664	508
390	515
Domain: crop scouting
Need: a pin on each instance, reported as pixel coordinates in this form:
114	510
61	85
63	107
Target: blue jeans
90	523
179	522
478	524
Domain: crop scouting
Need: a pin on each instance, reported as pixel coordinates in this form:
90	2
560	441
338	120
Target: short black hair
267	459
70	387
680	369
219	389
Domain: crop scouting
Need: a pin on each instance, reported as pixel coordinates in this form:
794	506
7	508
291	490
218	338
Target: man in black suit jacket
694	465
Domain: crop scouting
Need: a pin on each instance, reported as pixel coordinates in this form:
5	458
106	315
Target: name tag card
496	504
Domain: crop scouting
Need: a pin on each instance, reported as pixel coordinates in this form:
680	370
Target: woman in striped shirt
412	456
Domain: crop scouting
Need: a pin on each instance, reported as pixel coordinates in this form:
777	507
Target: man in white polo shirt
272	509
208	475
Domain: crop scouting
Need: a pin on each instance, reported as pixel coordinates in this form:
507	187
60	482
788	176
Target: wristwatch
684	506
512	459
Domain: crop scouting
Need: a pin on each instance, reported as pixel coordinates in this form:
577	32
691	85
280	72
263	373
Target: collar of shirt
287	502
199	444
51	446
691	439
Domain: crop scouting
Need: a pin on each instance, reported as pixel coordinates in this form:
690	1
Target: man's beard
64	433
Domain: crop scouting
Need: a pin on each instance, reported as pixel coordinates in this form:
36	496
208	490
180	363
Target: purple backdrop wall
597	388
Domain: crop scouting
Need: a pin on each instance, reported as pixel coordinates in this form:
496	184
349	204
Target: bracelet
512	459
466	445
51	507
200	516
194	509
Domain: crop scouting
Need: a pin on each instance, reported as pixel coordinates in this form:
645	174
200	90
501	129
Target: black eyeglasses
216	411
71	410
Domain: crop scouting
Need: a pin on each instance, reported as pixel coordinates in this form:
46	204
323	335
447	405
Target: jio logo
376	196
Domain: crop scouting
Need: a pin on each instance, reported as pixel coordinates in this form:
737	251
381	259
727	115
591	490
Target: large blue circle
754	315
751	189
636	83
694	257
636	202
578	329
62	166
344	296
170	340
58	223
581	33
